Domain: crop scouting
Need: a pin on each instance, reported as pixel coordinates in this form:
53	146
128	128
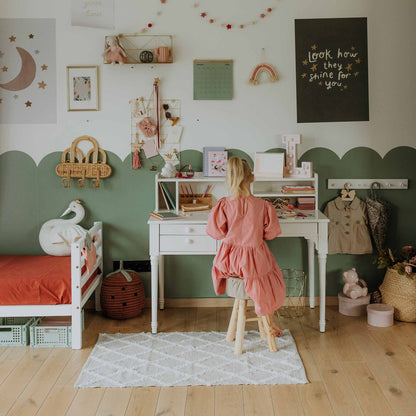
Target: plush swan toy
56	236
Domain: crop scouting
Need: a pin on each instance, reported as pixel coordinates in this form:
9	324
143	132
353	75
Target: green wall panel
31	195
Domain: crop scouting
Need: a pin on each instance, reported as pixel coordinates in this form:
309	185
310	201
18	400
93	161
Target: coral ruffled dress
244	223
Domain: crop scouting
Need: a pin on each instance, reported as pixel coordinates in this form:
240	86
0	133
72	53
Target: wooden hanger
347	194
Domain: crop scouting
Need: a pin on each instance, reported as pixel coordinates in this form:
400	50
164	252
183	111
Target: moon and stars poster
331	70
27	71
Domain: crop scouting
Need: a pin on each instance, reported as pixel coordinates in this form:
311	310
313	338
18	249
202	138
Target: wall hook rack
367	183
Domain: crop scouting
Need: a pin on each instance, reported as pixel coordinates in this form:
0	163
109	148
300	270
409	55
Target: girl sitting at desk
244	222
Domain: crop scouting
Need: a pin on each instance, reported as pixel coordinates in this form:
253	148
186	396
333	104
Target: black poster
331	70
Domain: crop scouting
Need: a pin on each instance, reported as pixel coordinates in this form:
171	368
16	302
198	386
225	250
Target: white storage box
352	307
380	314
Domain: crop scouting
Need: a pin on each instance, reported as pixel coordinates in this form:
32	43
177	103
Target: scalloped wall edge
123	160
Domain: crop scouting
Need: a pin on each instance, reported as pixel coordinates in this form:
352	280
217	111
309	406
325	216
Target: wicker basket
400	291
120	298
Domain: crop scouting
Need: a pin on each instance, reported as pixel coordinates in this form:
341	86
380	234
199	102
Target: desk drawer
184	243
299	229
182	229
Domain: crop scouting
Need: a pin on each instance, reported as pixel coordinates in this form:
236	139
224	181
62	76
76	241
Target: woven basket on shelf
400	291
122	294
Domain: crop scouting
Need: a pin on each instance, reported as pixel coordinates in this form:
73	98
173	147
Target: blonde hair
239	176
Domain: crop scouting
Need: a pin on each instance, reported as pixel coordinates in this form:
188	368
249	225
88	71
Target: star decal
313	47
348	67
12	38
15	96
1	54
42	85
353	48
31	36
4	69
28	104
356	74
357	61
203	14
320	82
304	75
36	51
228	27
313	67
305	62
44	67
345	87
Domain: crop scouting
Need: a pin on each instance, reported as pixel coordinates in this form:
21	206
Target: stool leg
261	327
241	323
232	326
271	340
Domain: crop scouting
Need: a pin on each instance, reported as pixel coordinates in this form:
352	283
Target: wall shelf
134	45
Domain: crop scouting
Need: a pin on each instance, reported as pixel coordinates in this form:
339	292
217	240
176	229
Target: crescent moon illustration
26	74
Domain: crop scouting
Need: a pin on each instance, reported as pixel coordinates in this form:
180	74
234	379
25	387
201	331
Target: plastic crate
15	331
51	336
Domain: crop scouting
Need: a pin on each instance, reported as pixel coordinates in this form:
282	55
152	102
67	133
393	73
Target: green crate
51	336
15	330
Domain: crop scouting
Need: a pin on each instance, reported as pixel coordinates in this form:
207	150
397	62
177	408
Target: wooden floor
353	369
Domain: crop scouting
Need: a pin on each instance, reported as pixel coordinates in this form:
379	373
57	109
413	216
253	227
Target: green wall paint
31	195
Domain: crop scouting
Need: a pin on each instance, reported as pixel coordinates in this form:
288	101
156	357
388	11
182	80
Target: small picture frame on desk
269	165
82	88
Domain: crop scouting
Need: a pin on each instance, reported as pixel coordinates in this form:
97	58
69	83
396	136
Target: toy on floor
353	287
56	236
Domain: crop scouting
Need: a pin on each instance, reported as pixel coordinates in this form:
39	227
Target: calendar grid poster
213	80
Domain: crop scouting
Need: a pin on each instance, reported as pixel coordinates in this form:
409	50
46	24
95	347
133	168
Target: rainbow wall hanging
259	69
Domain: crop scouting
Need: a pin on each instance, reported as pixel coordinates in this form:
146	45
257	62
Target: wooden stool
236	327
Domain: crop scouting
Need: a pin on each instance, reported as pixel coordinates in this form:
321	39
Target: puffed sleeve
271	222
217	226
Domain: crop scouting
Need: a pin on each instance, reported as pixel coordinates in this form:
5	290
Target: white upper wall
258	115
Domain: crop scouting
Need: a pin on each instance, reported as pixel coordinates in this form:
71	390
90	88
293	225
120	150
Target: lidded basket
122	294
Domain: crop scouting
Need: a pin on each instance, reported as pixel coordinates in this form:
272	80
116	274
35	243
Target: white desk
187	237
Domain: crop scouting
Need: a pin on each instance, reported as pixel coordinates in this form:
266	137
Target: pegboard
141	108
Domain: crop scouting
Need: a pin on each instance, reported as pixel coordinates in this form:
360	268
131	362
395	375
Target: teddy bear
114	53
353	287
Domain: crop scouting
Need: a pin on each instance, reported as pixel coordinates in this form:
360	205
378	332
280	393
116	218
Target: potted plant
399	285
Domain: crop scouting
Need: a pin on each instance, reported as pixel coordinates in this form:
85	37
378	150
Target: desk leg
311	272
161	282
154	260
322	290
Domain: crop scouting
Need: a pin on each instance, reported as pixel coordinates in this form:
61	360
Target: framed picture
82	88
269	165
217	161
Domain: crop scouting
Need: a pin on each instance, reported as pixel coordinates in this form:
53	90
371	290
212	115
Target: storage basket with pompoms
122	294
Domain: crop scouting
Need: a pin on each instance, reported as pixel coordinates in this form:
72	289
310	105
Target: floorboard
353	368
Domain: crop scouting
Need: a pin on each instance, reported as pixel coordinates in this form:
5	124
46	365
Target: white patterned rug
189	359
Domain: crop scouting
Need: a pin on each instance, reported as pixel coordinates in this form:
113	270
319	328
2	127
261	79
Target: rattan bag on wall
75	165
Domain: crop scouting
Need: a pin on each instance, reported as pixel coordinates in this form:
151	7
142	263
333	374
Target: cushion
235	288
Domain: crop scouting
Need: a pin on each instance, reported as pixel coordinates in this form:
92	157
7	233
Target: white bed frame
78	280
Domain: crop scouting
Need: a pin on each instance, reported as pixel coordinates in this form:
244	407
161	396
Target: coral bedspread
35	280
